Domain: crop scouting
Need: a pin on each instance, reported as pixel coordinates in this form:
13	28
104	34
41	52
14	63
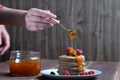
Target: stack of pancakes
71	63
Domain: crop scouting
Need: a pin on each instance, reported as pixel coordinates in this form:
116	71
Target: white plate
47	73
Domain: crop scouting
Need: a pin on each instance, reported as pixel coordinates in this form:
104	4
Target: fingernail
55	16
51	25
57	21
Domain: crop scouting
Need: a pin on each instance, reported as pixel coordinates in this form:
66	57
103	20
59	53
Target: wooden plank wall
96	21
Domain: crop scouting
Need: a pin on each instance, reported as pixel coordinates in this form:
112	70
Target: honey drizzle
71	33
79	62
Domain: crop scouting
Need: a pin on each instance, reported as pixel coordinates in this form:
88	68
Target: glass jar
25	63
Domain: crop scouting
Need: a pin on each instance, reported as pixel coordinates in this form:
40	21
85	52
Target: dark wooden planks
96	21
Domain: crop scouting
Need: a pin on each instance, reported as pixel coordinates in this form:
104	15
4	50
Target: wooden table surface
110	70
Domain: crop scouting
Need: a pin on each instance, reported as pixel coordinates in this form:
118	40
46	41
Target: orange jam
25	67
72	34
79	62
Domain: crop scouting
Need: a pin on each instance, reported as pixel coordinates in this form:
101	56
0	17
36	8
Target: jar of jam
25	63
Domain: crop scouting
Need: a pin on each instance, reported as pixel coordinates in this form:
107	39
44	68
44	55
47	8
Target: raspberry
68	49
66	72
85	73
79	52
81	73
91	72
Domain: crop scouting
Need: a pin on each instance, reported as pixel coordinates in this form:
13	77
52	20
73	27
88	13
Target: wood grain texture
96	21
110	70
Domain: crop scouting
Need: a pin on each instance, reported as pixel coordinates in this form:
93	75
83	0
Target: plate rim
71	76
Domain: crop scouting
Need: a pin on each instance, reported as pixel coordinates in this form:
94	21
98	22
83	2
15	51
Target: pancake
74	64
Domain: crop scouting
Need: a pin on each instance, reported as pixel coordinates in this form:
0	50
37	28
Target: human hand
37	19
4	40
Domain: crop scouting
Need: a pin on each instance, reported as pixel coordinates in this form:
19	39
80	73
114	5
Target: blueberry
52	73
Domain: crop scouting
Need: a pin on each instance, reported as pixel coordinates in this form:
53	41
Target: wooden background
96	21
